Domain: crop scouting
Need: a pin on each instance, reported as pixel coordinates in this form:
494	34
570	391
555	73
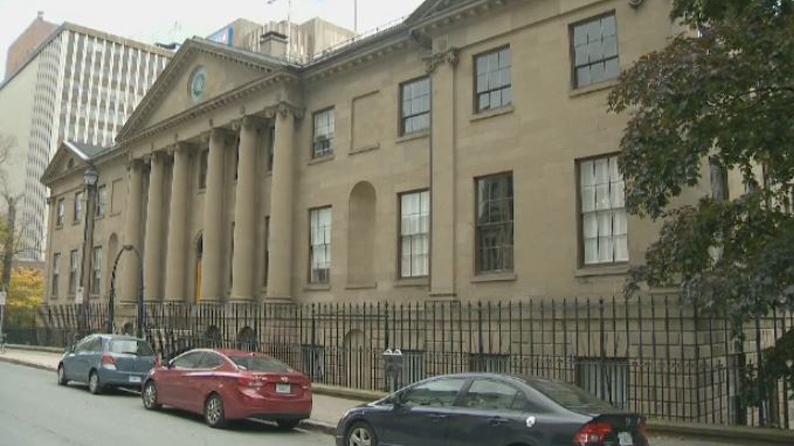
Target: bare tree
7	142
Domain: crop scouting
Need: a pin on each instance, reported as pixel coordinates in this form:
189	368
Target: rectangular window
595	51
719	181
415	106
493	78
203	159
271	147
414	234
494	223
78	206
323	133
61	212
56	275
74	261
101	201
117	193
96	274
320	255
603	226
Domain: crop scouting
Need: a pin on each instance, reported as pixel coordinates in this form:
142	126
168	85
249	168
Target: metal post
91	178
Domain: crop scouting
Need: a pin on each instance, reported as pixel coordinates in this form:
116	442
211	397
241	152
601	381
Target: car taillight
592	434
245	381
108	361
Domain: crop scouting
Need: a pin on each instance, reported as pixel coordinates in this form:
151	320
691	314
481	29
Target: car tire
62	381
149	396
94	385
214	415
360	434
288	424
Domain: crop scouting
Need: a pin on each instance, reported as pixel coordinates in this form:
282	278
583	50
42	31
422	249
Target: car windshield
567	395
260	364
131	347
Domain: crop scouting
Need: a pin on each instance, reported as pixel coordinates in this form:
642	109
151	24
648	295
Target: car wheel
149	396
214	415
61	375
360	434
94	386
287	425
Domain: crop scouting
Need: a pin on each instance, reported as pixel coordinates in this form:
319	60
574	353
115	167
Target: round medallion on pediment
197	84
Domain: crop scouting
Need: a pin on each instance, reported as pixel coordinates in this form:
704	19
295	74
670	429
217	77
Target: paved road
35	411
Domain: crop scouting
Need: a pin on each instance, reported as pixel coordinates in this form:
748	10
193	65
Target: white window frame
415	234
602	212
594	50
320	225
324	133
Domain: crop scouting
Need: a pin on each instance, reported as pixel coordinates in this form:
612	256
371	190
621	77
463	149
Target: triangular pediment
64	160
200	71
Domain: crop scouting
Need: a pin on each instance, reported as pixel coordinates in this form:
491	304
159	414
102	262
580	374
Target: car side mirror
70	349
396	400
170	364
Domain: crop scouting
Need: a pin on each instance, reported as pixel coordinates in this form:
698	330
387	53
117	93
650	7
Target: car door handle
496	421
437	416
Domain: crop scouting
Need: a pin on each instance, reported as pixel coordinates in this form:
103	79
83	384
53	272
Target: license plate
135	379
625	439
283	388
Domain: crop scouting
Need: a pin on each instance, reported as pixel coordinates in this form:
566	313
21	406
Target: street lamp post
112	303
90	178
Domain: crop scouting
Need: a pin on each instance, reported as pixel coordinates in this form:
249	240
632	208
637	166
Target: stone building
464	153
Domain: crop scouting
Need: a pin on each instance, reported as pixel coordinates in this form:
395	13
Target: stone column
177	235
212	270
153	238
279	278
132	232
442	176
245	214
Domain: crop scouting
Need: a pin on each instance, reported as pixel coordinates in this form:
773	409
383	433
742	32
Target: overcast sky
174	20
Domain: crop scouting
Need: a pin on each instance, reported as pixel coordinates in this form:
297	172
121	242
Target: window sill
479	116
362	286
201	191
99	217
60	226
115	214
364	149
269	173
75	222
494	277
317	287
412	136
606	270
412	282
605	85
322	159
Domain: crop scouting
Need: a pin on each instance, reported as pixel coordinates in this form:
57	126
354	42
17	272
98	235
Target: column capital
135	164
450	56
284	110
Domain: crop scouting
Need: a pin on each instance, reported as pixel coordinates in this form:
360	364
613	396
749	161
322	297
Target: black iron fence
651	354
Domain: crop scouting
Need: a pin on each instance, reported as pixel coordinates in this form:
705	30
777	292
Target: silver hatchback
104	360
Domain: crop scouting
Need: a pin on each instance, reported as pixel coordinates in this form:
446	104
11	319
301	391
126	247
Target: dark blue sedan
104	360
489	409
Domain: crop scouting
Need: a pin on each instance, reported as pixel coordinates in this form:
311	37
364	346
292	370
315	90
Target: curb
27	364
720	432
364	396
35	348
318	426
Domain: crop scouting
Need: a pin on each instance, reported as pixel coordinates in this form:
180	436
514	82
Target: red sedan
228	385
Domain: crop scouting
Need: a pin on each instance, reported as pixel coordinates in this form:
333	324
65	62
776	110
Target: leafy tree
24	295
722	91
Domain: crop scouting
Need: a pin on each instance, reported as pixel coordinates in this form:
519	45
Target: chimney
273	44
40	15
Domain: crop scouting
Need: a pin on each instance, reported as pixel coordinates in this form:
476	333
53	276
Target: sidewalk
326	411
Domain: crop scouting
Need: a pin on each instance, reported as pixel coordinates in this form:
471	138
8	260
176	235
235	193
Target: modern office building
27	43
79	85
